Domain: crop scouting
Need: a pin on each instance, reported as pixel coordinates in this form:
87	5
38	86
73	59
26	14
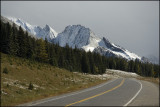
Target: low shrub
5	70
30	87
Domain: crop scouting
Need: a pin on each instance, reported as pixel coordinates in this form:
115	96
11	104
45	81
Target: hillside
47	80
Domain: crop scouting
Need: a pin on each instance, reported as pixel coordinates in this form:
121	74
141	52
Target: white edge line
134	95
70	94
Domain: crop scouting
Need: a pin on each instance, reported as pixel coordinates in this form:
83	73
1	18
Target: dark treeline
16	42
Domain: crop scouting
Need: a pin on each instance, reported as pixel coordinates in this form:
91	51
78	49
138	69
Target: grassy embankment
47	80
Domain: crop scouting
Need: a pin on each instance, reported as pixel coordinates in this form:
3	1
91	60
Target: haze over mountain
78	36
153	59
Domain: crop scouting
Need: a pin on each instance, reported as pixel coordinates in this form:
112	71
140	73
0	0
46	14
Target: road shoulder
149	95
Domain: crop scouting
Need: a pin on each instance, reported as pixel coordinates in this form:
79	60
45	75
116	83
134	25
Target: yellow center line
97	94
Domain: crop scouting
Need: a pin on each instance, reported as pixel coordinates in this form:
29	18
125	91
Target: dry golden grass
150	79
47	81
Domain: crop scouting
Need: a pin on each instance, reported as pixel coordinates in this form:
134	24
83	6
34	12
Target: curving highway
116	92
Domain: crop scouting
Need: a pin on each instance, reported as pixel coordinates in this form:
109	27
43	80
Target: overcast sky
130	24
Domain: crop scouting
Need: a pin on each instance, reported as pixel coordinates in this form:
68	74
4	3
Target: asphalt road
116	92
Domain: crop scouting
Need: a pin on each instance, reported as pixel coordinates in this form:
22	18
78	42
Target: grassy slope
47	80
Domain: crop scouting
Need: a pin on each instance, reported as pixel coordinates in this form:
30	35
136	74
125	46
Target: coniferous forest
16	42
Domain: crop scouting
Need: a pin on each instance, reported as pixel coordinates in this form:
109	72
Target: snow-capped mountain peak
73	35
84	38
78	36
50	33
46	32
47	27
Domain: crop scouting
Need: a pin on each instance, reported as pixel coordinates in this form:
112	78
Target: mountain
6	20
46	32
78	36
82	37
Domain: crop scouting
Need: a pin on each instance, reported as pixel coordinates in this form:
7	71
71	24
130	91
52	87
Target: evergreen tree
139	70
29	45
61	61
91	63
6	30
85	64
22	43
41	51
152	72
15	45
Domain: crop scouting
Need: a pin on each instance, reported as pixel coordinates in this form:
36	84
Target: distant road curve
116	92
